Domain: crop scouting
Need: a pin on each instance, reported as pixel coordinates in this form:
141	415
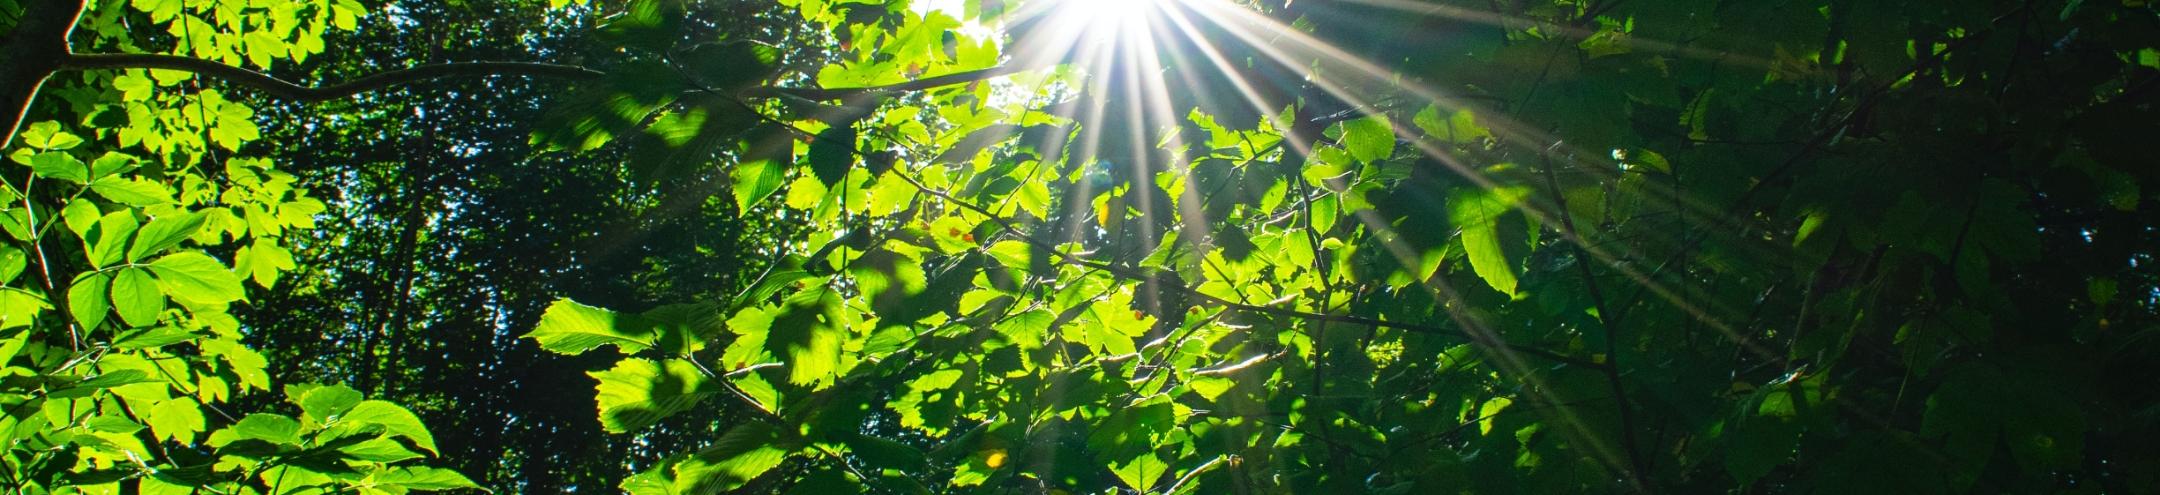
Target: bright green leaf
1477	212
571	328
193	276
136	297
1369	139
132	191
637	393
88	299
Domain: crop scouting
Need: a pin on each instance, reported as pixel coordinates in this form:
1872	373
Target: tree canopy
1079	246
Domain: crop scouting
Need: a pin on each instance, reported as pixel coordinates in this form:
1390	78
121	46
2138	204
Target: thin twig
1637	468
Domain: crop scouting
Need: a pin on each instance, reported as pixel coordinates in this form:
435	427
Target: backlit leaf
637	393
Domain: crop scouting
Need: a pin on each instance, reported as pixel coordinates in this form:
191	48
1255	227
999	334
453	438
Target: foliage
1675	251
1393	247
448	235
121	350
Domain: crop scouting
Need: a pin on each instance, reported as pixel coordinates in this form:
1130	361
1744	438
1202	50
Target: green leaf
807	335
19	308
730	65
263	261
48	136
61	166
153	337
832	154
107	240
136	297
595	114
740	455
885	453
16	223
1369	139
103	381
756	180
88	300
320	403
244	362
162	233
1461	127
395	420
80	215
1697	116
646	24
193	276
1210	387
637	393
1477	212
12	342
178	419
269	428
383	449
424	478
12	262
113	424
112	163
132	191
571	328
1034	197
1141	472
1759	444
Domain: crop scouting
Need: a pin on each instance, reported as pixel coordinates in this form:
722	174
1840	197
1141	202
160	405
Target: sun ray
1134	72
1574	32
1314	49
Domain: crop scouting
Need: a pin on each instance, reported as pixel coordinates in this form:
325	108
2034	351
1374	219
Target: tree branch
29	53
284	89
24	66
1606	318
924	84
289	90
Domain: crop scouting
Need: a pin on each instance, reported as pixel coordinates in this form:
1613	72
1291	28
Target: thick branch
283	89
29	54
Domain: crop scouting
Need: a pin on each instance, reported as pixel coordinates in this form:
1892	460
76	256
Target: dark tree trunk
37	47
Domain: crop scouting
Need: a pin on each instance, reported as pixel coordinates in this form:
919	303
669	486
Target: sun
1105	20
1108	10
